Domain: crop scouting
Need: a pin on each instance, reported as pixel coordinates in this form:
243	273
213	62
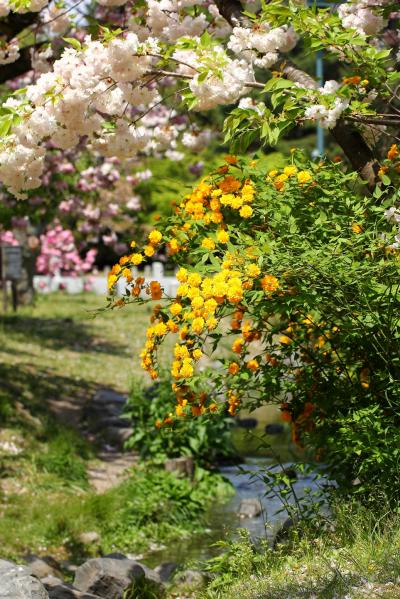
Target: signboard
11	262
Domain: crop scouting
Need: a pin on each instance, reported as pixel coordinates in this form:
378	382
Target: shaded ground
56	360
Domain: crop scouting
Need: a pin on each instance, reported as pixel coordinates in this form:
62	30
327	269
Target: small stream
223	519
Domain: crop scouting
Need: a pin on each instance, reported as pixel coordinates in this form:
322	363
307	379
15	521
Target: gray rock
247	422
274	429
117	435
66	591
111	578
183	466
41	567
17	583
166	570
109	396
91	537
284	532
250	508
51	581
110	421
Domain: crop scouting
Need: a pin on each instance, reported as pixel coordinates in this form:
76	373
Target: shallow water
259	451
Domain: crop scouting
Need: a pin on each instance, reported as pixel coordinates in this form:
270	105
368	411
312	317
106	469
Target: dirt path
101	421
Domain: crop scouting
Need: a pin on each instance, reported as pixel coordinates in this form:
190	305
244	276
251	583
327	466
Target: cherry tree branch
349	138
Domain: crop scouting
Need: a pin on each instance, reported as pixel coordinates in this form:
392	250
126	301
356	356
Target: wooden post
4	288
11	267
14	295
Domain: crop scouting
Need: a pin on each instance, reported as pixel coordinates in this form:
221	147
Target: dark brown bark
357	151
232	11
10	27
17	68
293	73
14	23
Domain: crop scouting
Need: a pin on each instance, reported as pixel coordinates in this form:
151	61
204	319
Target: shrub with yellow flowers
289	293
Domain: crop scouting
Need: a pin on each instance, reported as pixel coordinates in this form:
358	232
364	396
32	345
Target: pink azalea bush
7	238
59	254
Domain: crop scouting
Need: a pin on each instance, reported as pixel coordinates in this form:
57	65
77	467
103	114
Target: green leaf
76	44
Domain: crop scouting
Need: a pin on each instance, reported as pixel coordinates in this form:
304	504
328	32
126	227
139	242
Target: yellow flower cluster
288	172
203	300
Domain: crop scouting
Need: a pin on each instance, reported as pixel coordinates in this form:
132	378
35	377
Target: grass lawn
54	355
65	348
357	558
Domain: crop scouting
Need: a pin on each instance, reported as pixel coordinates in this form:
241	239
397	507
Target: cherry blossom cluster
363	16
392	214
59	254
261	46
75	100
327	117
112	93
33	6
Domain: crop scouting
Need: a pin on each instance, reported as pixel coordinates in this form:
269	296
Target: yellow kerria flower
137	259
182	275
269	283
252	270
237	345
215	204
237	202
197	302
194	279
246	211
233	368
208	244
253	365
127	273
175	309
211	323
187	369
149	250
290	170
173	327
160	329
304	177
155	237
198	325
179	411
210	305
222	236
356	228
182	290
197	353
112	279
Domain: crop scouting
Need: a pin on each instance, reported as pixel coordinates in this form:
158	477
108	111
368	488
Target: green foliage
62	458
151	506
207	439
238	560
171	180
312	264
358	556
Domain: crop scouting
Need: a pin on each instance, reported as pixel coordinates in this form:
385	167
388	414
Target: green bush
304	265
207	439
